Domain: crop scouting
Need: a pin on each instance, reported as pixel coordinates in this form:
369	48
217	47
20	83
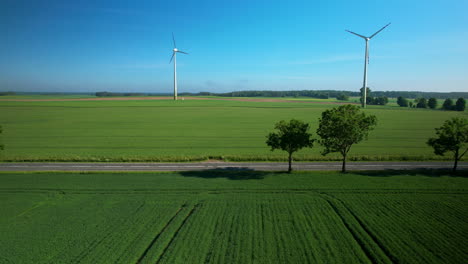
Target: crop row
211	217
87	229
423	228
255	228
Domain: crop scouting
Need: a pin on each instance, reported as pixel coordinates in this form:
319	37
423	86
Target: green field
233	217
164	130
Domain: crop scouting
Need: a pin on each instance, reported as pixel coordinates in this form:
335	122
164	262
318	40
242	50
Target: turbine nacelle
175	50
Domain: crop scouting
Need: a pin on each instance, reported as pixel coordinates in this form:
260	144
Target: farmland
164	130
233	216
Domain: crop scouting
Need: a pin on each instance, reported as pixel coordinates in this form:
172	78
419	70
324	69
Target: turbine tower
174	56
366	60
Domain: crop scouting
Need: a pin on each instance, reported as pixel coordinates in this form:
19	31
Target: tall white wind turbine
174	56
366	60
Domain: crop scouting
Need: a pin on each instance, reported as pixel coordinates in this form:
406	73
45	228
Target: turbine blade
173	39
182	52
379	31
356	34
172	57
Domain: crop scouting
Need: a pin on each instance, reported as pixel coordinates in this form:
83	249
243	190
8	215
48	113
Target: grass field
233	217
164	130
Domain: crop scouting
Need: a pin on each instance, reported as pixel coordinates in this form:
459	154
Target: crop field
164	130
234	216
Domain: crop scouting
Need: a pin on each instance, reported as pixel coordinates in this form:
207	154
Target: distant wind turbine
174	56
366	60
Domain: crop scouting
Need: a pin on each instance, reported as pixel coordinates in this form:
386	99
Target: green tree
342	97
432	103
452	136
381	100
369	99
290	137
343	126
448	104
401	101
460	104
421	103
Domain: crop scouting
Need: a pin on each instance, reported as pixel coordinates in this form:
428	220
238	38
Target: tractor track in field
330	199
356	236
143	255
194	208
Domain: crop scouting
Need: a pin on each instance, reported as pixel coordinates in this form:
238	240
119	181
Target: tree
451	136
460	104
369	99
343	126
381	100
342	97
432	103
291	137
448	104
401	101
421	103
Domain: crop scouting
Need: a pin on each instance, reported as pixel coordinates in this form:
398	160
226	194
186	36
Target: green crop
234	216
193	130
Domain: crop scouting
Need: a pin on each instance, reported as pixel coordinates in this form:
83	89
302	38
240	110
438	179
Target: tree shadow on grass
231	173
419	172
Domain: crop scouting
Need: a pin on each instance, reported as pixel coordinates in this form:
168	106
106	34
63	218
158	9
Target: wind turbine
366	60
174	56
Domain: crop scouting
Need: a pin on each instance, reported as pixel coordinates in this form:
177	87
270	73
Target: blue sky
125	46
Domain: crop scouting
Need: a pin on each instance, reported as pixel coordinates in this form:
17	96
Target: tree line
325	94
448	104
106	94
339	129
7	93
342	127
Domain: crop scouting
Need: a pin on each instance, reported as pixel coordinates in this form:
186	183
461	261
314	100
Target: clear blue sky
112	45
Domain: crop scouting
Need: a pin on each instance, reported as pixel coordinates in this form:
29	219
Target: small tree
342	97
402	101
448	104
369	99
421	103
382	100
291	137
432	103
343	126
451	136
460	104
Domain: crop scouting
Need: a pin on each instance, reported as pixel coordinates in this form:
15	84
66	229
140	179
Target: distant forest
321	94
325	94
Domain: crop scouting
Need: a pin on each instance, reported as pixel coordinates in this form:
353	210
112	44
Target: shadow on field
231	173
419	172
